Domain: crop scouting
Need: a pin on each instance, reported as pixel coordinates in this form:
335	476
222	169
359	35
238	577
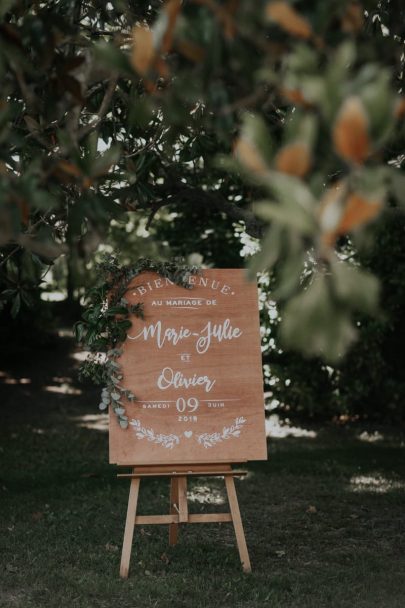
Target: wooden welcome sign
194	366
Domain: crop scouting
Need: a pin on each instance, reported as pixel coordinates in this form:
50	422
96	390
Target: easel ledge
178	505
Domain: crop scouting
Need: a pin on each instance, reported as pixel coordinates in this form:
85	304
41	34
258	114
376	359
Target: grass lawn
324	517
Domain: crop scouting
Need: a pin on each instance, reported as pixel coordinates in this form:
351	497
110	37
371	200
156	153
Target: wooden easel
178	505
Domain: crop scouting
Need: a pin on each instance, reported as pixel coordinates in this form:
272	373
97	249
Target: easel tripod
178	505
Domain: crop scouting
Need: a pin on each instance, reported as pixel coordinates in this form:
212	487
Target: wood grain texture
194	364
129	527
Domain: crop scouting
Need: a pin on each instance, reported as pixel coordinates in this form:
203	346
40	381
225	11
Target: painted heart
188	434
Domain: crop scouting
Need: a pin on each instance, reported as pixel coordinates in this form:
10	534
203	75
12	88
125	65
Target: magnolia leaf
32	124
341	214
291	191
357	211
294	159
286	17
398	185
352	19
356	288
331	209
289	275
5	6
291	216
170	10
248	155
16	305
47	249
102	164
315	324
143	51
350	132
69	168
268	254
379	101
253	148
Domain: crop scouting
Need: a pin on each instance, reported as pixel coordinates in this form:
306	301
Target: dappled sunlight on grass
370	437
204	494
375	483
93	422
280	429
6	378
64	389
16	381
80	355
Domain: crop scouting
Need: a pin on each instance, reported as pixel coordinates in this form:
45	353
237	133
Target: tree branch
103	109
182	193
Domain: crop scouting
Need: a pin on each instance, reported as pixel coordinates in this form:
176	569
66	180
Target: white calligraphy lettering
170	378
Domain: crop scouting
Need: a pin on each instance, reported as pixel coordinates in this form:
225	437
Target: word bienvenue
193	280
209	334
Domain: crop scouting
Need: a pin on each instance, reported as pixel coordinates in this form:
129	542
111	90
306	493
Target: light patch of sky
102	145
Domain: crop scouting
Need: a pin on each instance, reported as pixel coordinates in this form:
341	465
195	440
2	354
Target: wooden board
194	365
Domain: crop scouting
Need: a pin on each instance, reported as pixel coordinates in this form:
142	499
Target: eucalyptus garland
107	319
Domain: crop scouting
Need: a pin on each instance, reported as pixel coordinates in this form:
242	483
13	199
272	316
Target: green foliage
237	118
368	383
107	318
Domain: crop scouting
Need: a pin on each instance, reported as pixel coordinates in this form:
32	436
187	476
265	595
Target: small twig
104	106
12	252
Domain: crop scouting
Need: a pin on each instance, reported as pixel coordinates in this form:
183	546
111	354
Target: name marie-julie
211	332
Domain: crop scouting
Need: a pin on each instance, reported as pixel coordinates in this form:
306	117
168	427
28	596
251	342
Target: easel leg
174	505
129	527
183	507
237	524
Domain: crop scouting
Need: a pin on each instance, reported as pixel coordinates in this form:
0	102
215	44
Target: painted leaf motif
350	132
288	19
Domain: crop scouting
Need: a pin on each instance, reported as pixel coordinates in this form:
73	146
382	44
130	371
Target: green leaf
80	331
16	305
255	130
398	186
355	287
110	56
5	6
291	191
291	216
103	163
315	324
268	254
